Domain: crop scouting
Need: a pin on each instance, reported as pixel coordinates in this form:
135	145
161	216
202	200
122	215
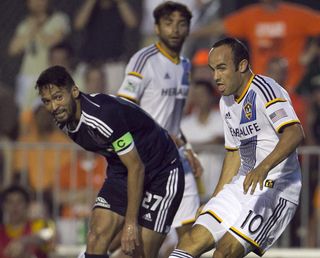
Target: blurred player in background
157	79
145	176
258	190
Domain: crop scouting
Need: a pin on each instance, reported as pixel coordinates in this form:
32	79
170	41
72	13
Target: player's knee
196	241
228	250
95	236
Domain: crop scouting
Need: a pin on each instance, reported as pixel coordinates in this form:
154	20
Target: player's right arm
130	234
230	167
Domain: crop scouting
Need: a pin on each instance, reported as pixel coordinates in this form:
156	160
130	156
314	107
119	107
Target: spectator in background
309	87
200	69
277	69
204	127
9	127
40	161
9	114
41	29
104	23
63	54
95	79
204	12
79	184
272	28
21	237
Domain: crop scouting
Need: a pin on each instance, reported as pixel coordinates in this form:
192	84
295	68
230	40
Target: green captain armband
123	142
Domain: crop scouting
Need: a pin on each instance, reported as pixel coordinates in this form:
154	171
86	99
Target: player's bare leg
194	242
151	242
104	225
228	247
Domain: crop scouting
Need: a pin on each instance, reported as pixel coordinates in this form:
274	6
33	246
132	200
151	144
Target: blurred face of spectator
60	102
277	69
227	77
316	96
15	208
43	120
37	6
202	97
172	31
95	81
60	56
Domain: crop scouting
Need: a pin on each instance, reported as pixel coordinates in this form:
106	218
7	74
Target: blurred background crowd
94	40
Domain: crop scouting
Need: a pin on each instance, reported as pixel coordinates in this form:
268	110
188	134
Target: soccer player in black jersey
145	178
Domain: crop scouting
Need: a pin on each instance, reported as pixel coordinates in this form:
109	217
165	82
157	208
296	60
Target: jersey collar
238	100
175	60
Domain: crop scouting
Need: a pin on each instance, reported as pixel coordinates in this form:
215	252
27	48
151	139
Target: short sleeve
135	80
280	111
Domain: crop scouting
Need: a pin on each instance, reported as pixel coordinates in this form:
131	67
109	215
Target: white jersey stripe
174	190
91	101
144	56
158	226
171	190
92	123
98	122
94	126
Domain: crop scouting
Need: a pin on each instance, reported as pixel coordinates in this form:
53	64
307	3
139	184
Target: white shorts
256	221
190	201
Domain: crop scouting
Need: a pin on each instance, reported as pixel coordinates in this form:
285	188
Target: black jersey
112	126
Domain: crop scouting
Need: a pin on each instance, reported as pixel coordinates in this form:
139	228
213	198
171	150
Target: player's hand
254	177
130	238
194	161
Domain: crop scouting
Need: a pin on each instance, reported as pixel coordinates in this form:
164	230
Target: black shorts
160	200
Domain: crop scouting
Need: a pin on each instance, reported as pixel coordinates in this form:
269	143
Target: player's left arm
130	237
292	135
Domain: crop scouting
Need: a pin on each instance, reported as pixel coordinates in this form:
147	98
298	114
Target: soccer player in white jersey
258	191
157	78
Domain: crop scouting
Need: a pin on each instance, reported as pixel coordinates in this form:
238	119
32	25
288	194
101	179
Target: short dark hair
16	189
239	50
56	75
168	7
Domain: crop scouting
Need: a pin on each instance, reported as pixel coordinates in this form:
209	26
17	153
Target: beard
173	45
71	114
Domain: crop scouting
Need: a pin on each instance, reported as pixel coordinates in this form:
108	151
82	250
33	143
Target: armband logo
123	142
120	143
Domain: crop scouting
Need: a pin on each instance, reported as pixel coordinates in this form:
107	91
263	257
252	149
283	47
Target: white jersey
159	84
253	123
